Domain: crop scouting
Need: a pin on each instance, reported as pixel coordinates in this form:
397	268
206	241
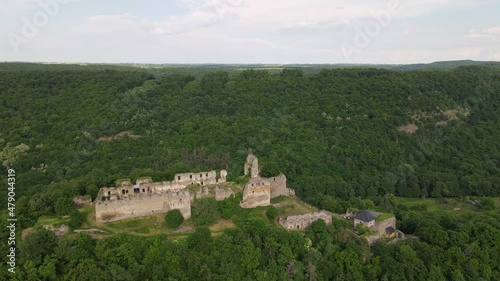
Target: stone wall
82	201
278	186
147	198
369	224
201	178
380	228
304	221
255	196
223	193
145	204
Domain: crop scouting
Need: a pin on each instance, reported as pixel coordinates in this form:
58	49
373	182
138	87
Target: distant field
447	205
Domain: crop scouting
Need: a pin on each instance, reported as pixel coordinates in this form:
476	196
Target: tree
389	202
77	219
205	212
487	204
38	244
272	213
64	206
174	218
200	240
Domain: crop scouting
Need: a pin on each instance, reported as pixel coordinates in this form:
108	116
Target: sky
249	31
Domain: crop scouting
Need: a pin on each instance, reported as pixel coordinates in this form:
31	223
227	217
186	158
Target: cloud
202	14
491	32
111	24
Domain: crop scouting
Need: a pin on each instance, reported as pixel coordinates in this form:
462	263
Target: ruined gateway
147	198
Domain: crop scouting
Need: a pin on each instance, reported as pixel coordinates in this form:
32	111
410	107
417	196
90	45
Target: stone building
366	218
383	228
305	220
259	191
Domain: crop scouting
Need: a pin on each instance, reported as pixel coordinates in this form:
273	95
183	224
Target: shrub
174	219
229	206
77	219
272	213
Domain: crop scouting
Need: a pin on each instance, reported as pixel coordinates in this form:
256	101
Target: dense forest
450	248
340	136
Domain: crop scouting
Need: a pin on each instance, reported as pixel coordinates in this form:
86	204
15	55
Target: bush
174	218
272	213
77	219
64	206
487	204
229	206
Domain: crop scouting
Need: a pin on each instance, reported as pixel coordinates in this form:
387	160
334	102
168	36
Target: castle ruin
304	221
146	198
259	191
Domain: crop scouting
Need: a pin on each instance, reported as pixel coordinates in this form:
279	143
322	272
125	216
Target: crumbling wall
82	201
223	176
223	193
256	196
252	166
143	204
130	207
278	186
381	226
304	221
201	178
180	200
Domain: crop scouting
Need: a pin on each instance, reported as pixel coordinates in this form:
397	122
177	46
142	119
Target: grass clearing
53	221
291	206
434	205
383	217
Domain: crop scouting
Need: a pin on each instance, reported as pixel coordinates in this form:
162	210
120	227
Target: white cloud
491	32
202	14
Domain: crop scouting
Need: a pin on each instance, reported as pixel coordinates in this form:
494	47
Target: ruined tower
252	166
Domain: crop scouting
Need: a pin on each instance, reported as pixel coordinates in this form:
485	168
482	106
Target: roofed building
366	218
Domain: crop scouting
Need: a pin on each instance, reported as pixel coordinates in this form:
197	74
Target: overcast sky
249	31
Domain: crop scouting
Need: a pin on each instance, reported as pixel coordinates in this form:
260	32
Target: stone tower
252	166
